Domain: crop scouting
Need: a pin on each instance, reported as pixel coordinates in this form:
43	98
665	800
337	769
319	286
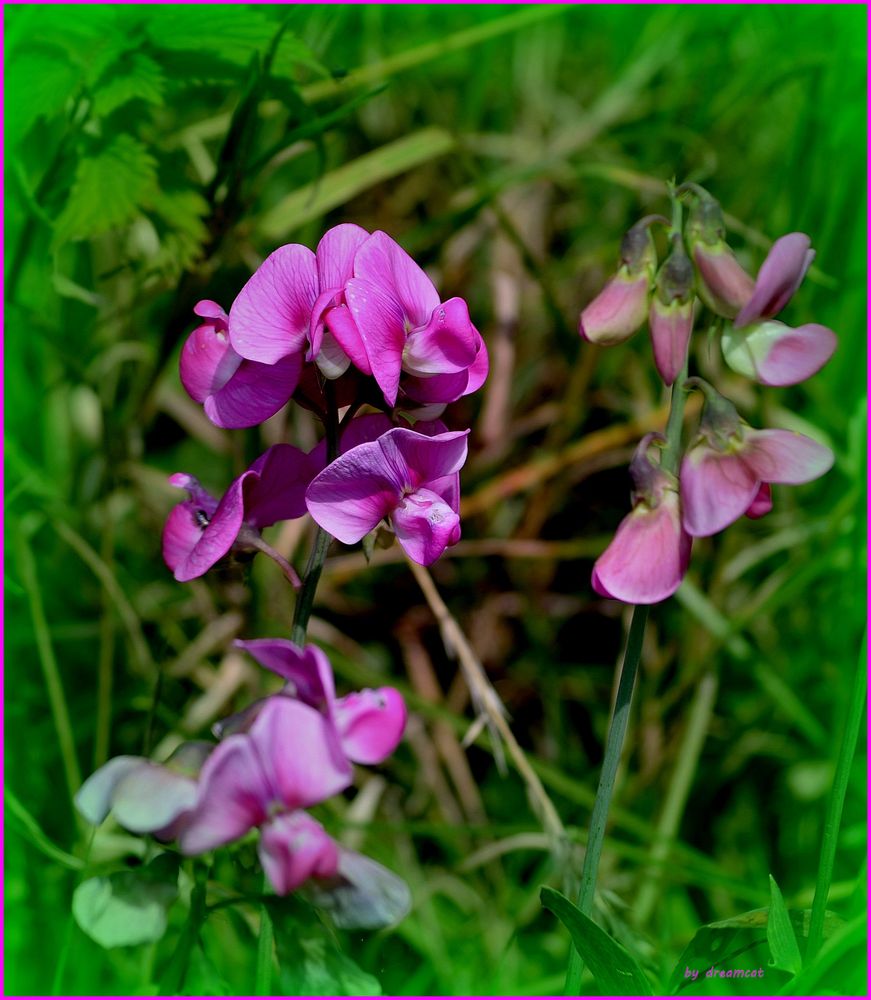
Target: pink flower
202	530
780	275
671	313
234	392
649	555
775	354
369	723
405	476
289	760
400	324
143	796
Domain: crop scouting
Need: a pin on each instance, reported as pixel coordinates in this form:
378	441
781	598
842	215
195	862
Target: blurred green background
153	158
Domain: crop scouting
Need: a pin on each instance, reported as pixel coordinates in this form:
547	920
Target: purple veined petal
775	354
716	489
778	456
380	324
209	309
448	342
295	848
94	799
417	459
234	796
341	324
277	491
207	362
617	311
670	329
336	252
648	556
363	895
271	315
782	271
370	724
425	525
286	659
254	393
762	503
724	285
300	753
149	798
382	261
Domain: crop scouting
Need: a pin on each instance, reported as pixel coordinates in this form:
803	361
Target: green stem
836	808
613	752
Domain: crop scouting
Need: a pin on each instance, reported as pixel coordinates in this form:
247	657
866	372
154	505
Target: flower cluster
729	467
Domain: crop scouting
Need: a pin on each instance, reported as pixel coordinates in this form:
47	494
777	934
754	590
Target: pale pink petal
254	393
94	799
775	354
617	311
363	895
762	503
448	342
151	797
207	362
670	329
648	556
336	252
780	275
382	261
271	315
277	491
331	359
380	324
716	489
425	525
294	848
724	285
777	456
370	724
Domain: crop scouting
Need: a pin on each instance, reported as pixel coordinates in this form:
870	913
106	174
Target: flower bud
671	313
724	285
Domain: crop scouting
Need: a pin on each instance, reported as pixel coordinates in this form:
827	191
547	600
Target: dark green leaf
232	32
136	78
39	83
616	972
781	937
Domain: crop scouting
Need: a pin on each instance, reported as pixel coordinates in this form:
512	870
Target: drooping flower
772	353
724	472
649	555
781	273
202	530
621	307
289	760
369	723
235	392
405	476
671	313
144	796
724	286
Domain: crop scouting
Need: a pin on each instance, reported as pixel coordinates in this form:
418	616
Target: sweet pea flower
234	392
621	307
649	555
144	796
401	325
405	476
725	471
771	353
369	723
671	313
724	286
202	530
781	273
289	760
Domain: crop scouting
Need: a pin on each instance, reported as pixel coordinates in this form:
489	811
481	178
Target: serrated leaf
108	191
39	83
183	214
232	32
139	78
616	972
781	937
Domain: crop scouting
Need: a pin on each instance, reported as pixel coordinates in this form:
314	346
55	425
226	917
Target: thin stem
671	454
613	752
263	975
836	807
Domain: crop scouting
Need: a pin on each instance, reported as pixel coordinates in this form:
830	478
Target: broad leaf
616	972
43	81
135	78
781	937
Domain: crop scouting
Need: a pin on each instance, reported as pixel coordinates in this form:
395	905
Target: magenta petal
775	354
778	456
300	752
370	724
436	388
418	459
724	285
286	659
94	799
648	556
181	532
234	796
762	503
382	261
425	525
448	342
151	797
277	492
209	309
207	362
617	311
380	324
294	848
342	326
254	393
336	252
479	369
780	275
670	329
271	315
216	539
716	489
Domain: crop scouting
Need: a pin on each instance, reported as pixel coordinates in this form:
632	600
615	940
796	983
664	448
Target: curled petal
342	326
380	325
418	459
670	329
294	848
775	354
725	286
762	503
209	309
307	670
648	556
716	489
782	271
448	342
94	799
425	525
370	724
254	392
617	311
778	456
207	362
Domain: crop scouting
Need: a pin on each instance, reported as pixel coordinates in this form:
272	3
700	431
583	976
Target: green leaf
108	191
129	907
136	78
781	937
616	972
231	32
184	231
42	81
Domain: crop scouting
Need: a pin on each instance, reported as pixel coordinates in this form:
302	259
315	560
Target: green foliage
781	937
